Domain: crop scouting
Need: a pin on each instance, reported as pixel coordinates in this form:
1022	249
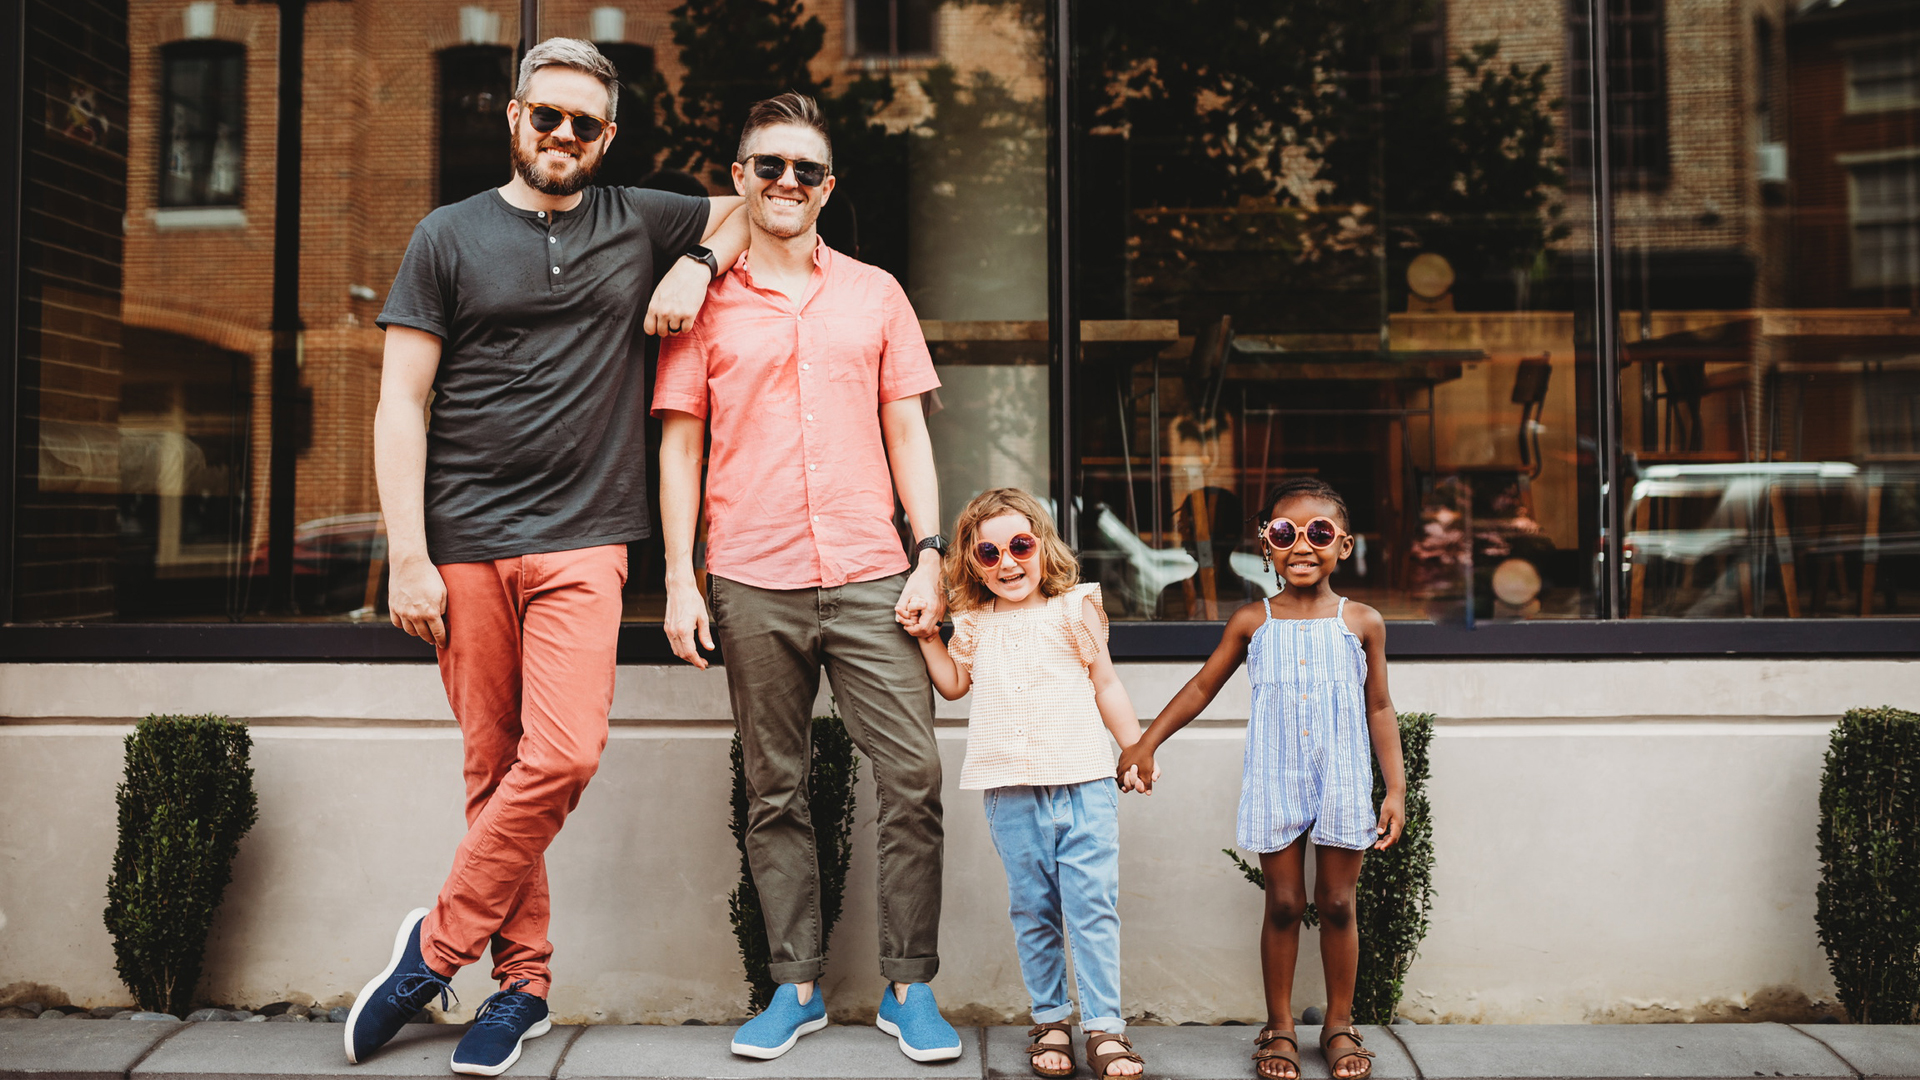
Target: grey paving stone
318	1052
1602	1051
1876	1051
29	1048
697	1053
1198	1053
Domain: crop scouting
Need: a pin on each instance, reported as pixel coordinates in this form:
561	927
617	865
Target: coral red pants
528	667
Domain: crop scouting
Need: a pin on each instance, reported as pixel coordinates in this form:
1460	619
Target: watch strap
700	253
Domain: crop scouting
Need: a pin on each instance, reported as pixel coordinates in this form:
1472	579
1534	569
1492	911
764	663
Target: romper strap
1267	607
1342	609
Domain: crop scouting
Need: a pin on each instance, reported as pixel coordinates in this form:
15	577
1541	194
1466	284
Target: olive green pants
774	642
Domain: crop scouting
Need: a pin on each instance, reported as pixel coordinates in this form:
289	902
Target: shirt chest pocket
850	347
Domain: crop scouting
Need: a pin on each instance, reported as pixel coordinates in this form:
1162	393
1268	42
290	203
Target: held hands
417	600
1393	820
922	603
687	621
911	618
1136	770
677	300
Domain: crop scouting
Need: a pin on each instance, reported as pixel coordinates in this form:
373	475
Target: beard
786	222
529	167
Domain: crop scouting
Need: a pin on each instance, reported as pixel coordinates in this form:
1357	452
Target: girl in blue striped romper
1320	712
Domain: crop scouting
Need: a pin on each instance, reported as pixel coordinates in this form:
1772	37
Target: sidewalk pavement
142	1050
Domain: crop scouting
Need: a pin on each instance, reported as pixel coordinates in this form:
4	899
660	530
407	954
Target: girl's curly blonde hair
965	578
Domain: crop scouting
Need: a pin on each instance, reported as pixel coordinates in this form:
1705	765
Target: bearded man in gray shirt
517	314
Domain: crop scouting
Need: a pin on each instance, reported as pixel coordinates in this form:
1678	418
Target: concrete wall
1616	840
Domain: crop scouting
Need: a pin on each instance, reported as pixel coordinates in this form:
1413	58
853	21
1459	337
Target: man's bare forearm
400	470
910	455
681	442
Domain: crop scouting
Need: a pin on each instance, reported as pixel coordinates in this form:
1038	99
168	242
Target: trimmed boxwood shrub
1869	893
830	803
186	801
1396	886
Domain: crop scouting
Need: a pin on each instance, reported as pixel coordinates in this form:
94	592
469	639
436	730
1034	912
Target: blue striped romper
1309	760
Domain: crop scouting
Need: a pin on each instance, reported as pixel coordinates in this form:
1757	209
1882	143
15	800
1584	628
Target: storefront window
1324	252
1770	366
149	367
1364	243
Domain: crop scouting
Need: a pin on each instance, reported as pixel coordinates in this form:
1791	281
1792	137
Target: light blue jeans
1061	847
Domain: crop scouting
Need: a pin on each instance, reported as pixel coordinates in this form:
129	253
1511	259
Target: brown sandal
1098	1060
1335	1057
1038	1048
1264	1051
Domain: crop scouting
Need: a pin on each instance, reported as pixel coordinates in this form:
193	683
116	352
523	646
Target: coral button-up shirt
799	492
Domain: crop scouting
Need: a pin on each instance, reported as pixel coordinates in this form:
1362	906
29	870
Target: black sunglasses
773	167
546	120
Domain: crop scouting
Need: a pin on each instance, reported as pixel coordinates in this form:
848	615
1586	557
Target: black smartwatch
937	542
705	255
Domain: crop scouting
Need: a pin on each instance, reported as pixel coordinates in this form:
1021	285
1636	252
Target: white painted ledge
1456	690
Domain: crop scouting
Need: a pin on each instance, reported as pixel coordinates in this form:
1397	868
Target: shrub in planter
185	803
830	803
1396	886
1869	893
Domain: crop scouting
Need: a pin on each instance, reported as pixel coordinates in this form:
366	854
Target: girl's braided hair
1307	487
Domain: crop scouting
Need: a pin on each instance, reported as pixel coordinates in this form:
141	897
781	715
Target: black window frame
451	116
1605	636
201	49
894	51
1642	152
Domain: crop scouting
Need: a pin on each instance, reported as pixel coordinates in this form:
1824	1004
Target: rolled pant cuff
797	971
1053	1015
909	969
437	956
1105	1023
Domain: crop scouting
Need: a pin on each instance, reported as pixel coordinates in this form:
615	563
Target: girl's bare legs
1336	875
1285	871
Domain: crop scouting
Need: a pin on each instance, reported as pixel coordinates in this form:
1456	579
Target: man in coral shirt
807	366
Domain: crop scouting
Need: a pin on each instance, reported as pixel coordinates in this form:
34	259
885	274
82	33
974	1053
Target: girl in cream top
1030	642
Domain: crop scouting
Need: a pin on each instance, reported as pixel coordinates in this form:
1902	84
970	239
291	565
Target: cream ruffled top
1034	721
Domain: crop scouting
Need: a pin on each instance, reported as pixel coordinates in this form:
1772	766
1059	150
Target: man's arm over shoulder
675	222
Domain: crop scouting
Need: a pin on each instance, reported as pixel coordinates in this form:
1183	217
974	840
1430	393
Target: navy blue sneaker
500	1025
395	995
781	1024
924	1034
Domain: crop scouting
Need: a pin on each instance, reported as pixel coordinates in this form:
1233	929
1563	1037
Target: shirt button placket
815	495
553	252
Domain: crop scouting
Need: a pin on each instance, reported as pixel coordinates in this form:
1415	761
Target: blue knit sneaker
781	1024
500	1025
395	995
924	1034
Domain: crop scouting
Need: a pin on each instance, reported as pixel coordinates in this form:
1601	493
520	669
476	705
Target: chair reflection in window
1211	524
1530	393
1803	486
